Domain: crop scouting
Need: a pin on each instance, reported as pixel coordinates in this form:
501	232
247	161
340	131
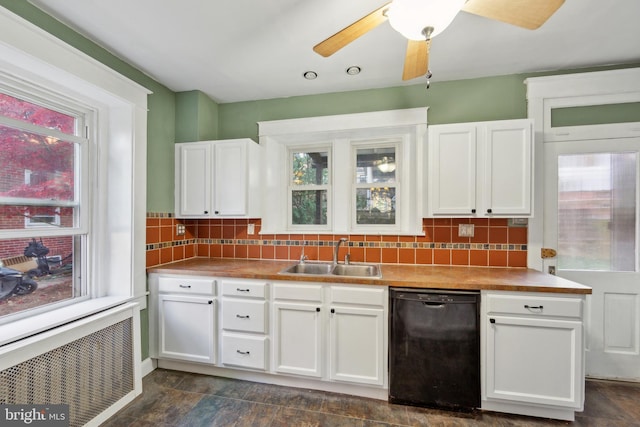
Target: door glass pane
376	205
310	168
309	207
597	211
376	165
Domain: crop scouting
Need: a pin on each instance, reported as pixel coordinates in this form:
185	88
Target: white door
187	327
356	345
230	172
591	219
298	339
193	178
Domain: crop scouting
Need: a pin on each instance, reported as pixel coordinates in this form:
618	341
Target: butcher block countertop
410	276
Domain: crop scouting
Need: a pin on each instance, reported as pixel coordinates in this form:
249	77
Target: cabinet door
298	339
193	180
356	341
230	178
452	169
508	159
187	327
534	360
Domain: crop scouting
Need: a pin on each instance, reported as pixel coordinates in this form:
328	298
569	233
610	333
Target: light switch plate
465	230
251	229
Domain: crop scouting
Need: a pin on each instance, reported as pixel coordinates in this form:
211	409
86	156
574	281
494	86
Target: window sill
14	331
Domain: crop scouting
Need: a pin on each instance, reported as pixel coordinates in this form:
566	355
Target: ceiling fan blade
529	14
416	62
345	36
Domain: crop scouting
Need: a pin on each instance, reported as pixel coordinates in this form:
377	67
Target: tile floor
173	398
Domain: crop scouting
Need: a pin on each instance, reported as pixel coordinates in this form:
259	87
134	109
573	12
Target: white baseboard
148	365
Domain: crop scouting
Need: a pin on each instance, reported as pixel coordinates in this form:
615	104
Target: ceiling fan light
410	17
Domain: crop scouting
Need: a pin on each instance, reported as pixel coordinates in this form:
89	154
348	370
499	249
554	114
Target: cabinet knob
489	211
318	309
492	320
210	302
333	310
216	212
473	211
206	212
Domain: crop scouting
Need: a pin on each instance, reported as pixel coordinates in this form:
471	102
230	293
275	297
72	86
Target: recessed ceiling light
353	70
310	75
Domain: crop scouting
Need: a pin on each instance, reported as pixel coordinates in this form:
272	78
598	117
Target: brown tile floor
173	398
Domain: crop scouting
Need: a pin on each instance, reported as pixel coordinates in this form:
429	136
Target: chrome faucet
335	252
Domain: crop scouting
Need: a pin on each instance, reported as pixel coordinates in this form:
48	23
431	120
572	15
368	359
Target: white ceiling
239	50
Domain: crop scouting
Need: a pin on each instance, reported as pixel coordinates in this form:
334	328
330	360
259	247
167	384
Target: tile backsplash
494	244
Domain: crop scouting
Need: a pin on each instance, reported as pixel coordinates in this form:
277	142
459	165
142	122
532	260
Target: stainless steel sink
357	270
309	268
329	269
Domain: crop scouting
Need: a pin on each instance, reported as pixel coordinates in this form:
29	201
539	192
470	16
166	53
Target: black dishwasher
434	348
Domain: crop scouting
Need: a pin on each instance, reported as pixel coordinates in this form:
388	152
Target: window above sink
348	174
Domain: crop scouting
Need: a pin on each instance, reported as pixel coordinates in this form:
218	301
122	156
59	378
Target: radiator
92	365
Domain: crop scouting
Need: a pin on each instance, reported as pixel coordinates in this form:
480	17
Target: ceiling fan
421	20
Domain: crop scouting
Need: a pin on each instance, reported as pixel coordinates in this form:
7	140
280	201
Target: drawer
245	316
360	295
187	285
285	291
240	288
534	305
246	352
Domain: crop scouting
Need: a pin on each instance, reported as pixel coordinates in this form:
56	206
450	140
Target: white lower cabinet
185	310
356	343
298	329
534	354
244	323
333	332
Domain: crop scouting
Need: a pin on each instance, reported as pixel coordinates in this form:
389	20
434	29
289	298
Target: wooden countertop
411	276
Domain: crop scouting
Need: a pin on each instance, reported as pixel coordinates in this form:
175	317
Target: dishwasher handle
433	304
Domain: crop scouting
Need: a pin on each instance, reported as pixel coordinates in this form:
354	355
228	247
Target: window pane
36	167
38	272
375	165
309	207
18	109
376	205
310	168
597	211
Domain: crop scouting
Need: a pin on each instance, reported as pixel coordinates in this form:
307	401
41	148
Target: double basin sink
331	269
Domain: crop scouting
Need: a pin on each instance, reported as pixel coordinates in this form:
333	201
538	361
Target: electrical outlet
465	230
180	230
251	229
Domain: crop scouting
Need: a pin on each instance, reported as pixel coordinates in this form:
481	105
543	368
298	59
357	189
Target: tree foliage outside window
309	187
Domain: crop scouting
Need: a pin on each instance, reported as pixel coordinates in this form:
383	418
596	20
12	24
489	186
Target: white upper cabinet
218	179
480	169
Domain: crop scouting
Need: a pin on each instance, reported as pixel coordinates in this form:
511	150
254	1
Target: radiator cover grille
89	374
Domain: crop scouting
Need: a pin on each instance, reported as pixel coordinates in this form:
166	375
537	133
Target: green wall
196	117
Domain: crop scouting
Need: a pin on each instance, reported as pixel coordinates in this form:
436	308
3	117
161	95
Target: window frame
396	144
407	127
80	231
321	147
34	58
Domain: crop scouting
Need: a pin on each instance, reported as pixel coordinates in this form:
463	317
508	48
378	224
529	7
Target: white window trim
309	228
377	228
408	126
36	57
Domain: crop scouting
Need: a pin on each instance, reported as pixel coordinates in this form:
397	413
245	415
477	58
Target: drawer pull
242	317
243	290
185	286
246	353
533	307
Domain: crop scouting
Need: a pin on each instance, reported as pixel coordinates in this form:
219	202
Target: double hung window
43	201
375	185
309	188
